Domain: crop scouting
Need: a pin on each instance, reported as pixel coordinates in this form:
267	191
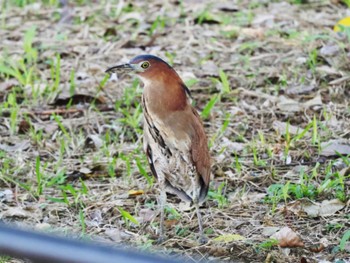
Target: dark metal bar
42	248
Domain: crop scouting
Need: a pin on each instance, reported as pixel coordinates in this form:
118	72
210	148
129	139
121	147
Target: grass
259	172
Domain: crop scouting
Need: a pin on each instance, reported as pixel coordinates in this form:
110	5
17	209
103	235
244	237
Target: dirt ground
270	79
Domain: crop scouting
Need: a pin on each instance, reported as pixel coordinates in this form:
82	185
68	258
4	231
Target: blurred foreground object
39	247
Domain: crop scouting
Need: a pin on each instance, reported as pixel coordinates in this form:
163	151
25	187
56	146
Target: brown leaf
135	192
170	223
288	238
23	127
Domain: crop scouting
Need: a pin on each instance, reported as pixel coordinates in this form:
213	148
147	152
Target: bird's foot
161	239
203	239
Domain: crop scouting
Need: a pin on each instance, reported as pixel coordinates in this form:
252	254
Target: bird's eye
145	65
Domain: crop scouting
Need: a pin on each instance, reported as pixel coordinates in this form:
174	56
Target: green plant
312	60
181	230
268	244
210	105
14	108
58	120
5	259
224	82
158	24
143	172
172	213
127	217
344	239
39	177
219	196
82	221
256	159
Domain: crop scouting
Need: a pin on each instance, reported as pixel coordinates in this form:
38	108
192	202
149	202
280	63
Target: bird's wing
200	154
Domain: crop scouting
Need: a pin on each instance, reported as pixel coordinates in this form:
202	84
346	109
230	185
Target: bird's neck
164	96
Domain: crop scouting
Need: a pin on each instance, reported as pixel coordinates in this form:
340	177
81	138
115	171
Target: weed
210	105
82	221
181	231
127	217
219	196
224	81
268	244
143	172
39	177
172	213
344	239
5	259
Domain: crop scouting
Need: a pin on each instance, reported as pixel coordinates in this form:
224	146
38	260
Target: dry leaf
18	147
288	238
6	195
135	192
281	128
331	147
228	238
288	105
326	208
94	141
16	212
146	215
170	223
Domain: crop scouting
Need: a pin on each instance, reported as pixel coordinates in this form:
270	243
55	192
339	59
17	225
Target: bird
174	139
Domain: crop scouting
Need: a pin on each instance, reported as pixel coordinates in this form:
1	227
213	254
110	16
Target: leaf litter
273	170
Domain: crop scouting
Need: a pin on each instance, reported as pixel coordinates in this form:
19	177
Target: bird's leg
161	203
202	238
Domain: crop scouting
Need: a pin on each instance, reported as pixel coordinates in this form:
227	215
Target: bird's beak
124	67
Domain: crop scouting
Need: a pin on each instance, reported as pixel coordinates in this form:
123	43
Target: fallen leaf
228	238
331	147
301	89
288	105
147	215
6	195
288	238
18	147
329	50
135	192
270	230
23	127
314	103
93	141
85	170
281	128
170	223
326	208
16	212
114	234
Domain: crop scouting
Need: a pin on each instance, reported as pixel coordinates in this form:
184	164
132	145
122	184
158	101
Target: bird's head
148	67
162	84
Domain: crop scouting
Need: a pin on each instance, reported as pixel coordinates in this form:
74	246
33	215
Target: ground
270	80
